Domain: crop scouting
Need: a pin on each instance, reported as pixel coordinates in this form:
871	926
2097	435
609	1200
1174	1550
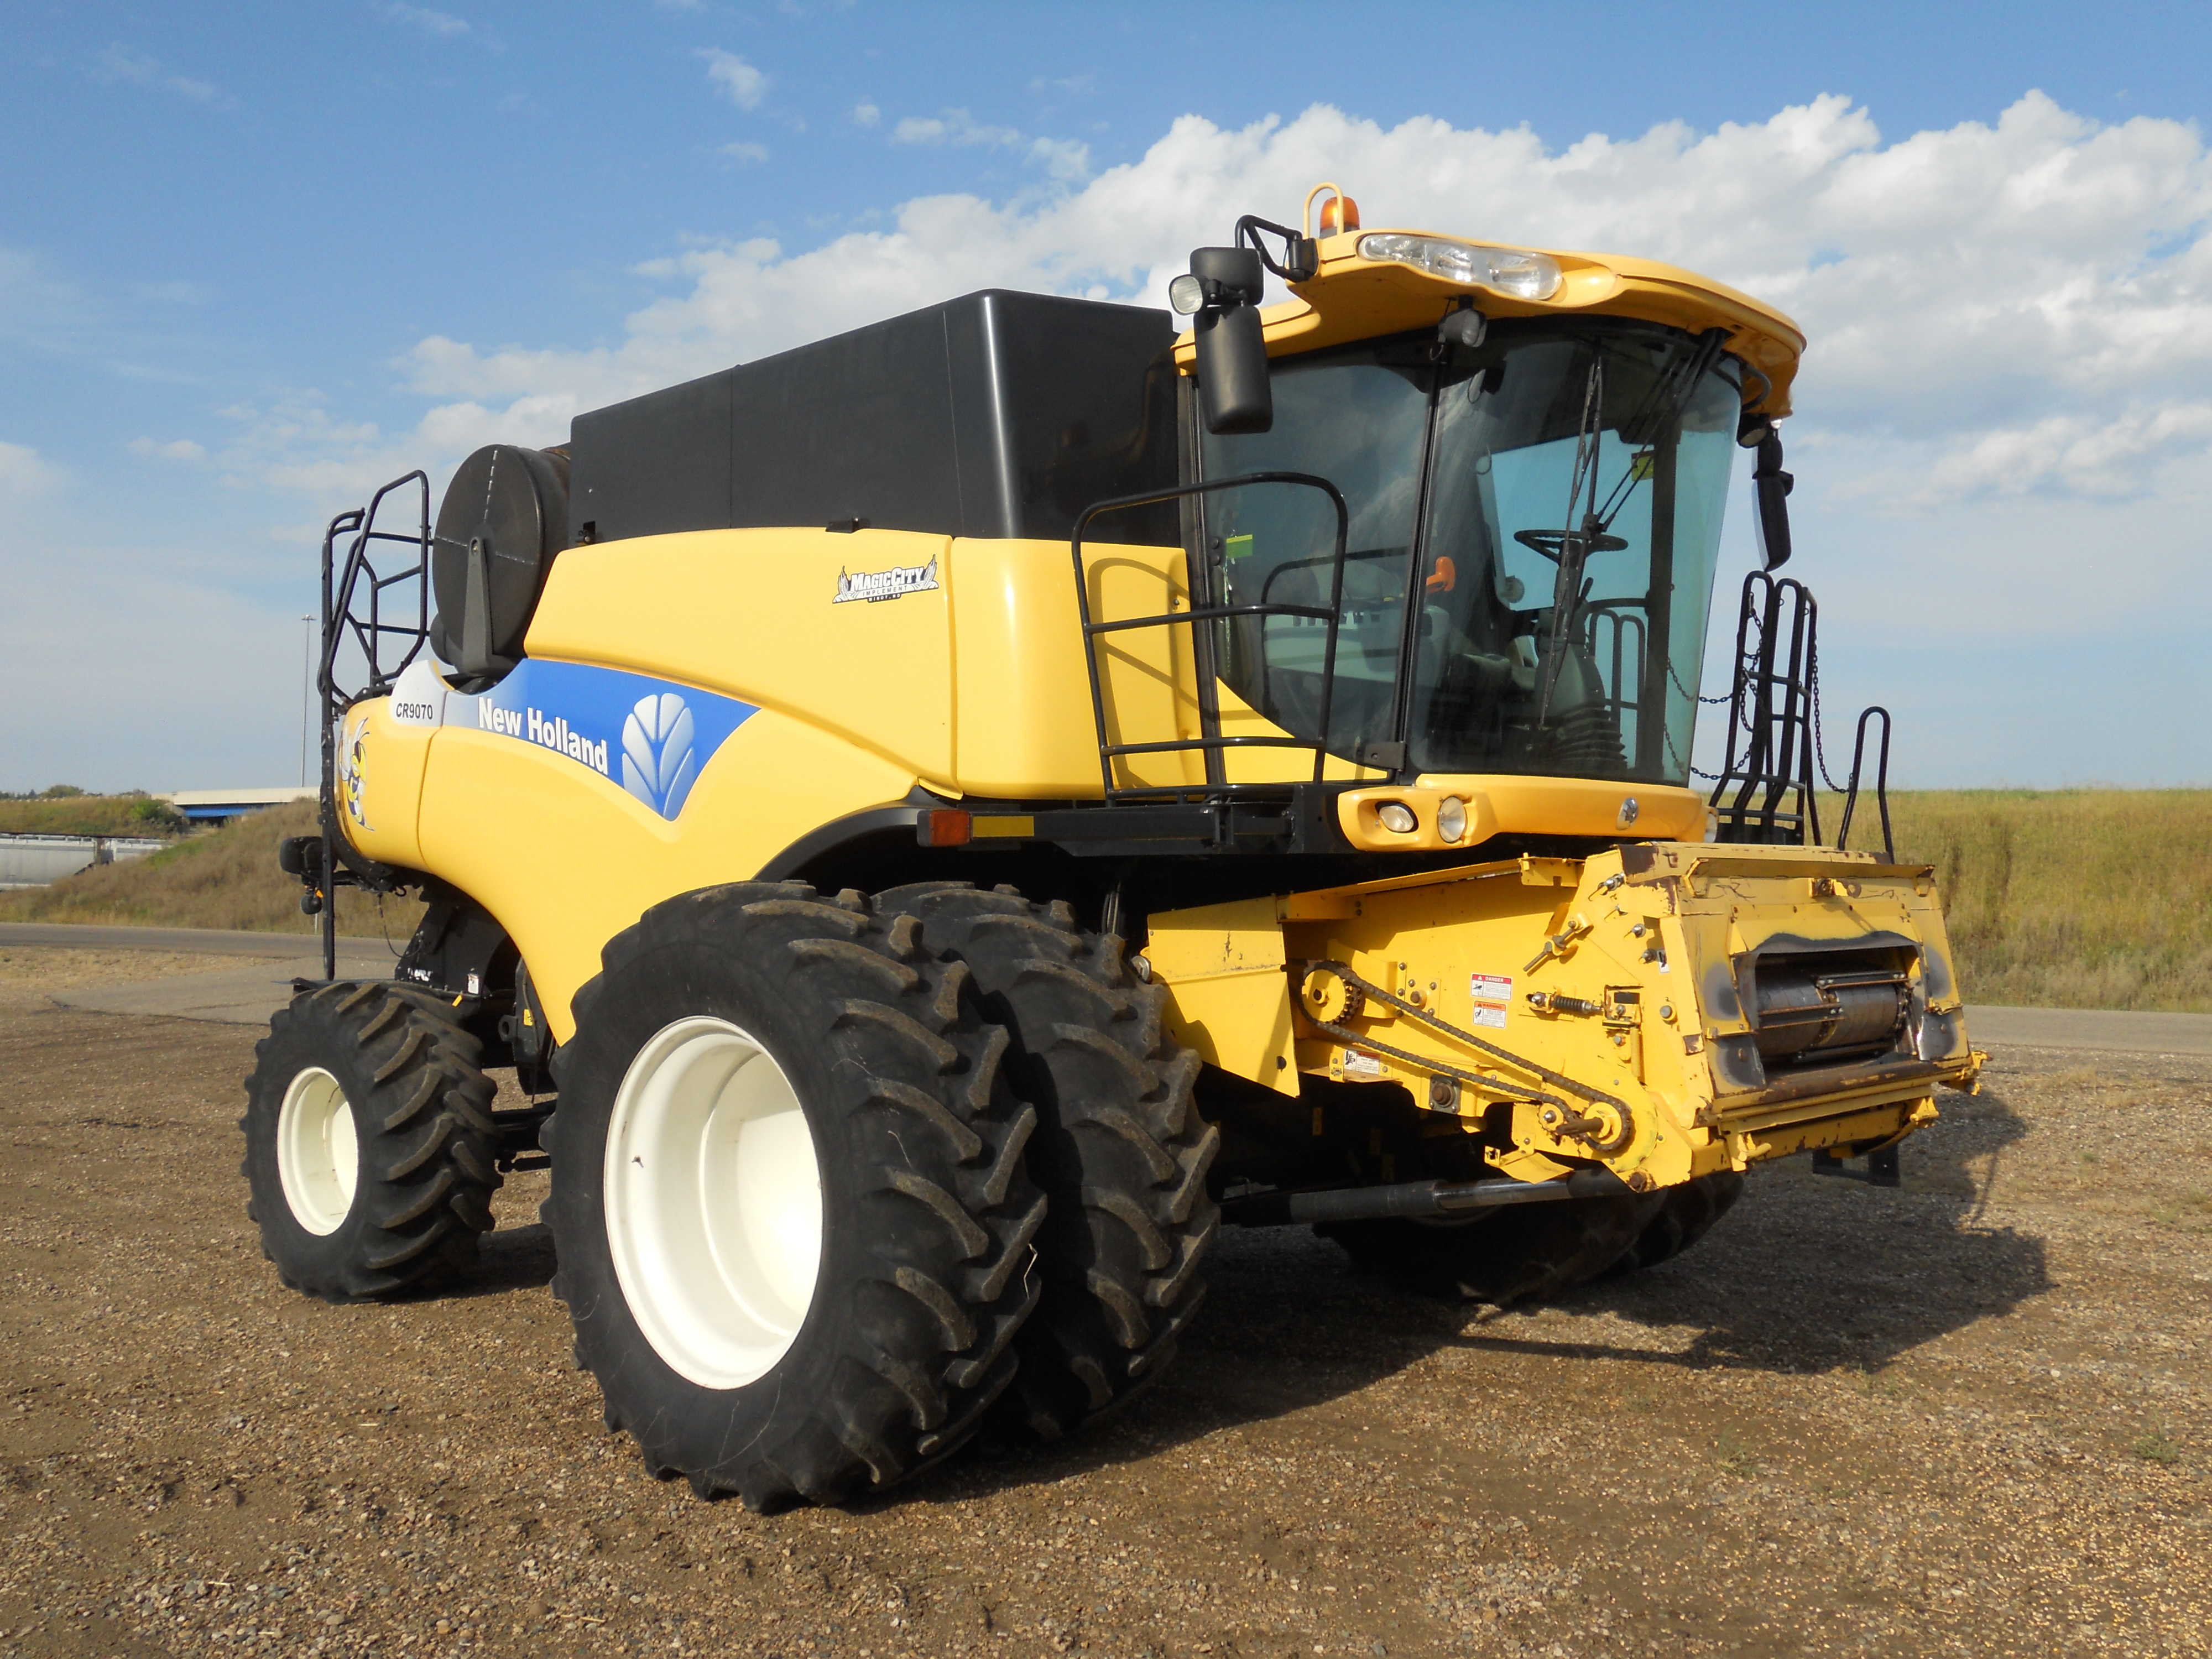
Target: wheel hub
714	1202
318	1159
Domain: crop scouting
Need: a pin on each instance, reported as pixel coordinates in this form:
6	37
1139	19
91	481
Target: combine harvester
960	810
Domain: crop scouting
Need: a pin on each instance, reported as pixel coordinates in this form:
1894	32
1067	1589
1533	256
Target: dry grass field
87	815
2075	898
225	877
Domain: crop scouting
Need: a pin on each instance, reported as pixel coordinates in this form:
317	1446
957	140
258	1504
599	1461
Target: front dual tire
371	1155
794	1229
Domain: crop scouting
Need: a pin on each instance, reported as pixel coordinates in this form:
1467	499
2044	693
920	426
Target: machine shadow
511	1259
1813	1272
1808	1273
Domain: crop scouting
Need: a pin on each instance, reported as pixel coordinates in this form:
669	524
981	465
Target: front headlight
1522	275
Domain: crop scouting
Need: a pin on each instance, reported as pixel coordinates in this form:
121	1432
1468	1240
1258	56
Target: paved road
245	995
2114	1033
200	941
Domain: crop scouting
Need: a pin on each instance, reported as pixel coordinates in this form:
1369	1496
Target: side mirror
1223	290
1770	487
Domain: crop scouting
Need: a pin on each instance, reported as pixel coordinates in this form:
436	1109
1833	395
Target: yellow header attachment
1375	282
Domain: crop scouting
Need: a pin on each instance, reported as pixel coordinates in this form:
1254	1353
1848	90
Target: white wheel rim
714	1202
316	1156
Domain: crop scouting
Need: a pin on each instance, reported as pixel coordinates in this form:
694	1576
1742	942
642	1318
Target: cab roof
1351	297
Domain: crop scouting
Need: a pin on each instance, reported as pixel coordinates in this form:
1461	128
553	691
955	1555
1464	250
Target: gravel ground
1968	1417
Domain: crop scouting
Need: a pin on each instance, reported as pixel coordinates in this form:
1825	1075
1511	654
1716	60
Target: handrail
1880	782
1211	740
342	584
1777	733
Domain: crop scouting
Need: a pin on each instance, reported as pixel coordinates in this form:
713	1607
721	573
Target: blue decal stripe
650	736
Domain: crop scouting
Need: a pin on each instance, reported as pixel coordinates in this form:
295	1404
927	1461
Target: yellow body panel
755	614
565	860
1646	936
379	782
1270	765
1018	674
1147	677
975	683
1242	1016
1350	298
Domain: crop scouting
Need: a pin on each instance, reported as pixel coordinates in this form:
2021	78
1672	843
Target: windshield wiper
1677	388
1574	546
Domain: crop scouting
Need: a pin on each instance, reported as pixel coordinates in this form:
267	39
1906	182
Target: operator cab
1533	450
1552	500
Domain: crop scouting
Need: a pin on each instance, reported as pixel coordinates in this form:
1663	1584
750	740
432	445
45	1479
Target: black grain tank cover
996	415
504	518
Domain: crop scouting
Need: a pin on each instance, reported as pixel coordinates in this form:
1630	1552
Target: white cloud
443	26
125	63
866	113
2068	454
180	449
295	447
1958	286
24	471
734	78
1995	310
1064	159
744	152
955	126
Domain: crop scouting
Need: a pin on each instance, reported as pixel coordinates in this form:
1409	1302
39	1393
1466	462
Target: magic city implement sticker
875	586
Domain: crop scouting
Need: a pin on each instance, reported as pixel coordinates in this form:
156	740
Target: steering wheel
1552	543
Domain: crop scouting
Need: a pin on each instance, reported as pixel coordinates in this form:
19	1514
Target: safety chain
1576	1126
1813	701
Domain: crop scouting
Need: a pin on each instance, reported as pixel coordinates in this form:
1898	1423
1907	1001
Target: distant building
220	805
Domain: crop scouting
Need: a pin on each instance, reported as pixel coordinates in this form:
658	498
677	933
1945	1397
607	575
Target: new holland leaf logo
658	761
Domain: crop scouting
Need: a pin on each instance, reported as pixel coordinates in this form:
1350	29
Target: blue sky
254	258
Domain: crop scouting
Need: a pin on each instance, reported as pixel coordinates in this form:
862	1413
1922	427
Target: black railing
358	585
1210	743
1880	782
1774	727
354	611
1769	751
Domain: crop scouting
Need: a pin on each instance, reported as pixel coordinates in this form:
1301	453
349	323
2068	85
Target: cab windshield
1552	502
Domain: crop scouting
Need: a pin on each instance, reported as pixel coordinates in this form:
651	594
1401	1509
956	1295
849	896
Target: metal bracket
1881	1166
